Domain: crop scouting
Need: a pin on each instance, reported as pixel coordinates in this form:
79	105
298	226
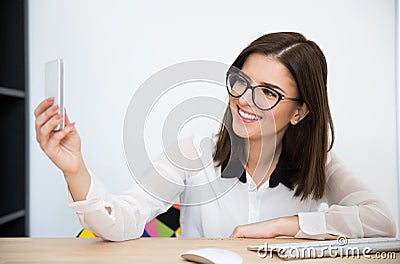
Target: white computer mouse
212	255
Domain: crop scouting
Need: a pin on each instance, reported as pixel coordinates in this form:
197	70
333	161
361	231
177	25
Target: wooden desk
143	250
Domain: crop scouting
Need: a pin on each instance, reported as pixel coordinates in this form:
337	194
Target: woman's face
250	122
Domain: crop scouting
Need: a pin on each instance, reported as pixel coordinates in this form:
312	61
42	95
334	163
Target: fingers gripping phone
54	86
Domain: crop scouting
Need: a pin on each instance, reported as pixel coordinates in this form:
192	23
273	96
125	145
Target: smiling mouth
246	116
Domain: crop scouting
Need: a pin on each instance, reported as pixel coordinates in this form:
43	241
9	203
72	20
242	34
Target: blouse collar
282	173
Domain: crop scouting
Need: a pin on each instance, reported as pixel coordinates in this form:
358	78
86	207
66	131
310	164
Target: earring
295	122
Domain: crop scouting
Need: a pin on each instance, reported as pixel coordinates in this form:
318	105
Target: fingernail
59	116
54	107
71	125
50	99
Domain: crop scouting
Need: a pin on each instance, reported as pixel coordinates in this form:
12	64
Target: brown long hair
307	143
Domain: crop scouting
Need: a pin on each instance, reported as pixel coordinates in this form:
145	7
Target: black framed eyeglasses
265	96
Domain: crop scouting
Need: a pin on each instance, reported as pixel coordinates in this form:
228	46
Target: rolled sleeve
326	224
355	211
96	194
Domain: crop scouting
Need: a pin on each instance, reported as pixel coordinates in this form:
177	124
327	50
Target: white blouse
354	210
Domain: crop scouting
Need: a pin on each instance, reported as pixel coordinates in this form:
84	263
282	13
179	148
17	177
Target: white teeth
247	116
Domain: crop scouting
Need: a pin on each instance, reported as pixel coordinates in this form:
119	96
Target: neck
263	157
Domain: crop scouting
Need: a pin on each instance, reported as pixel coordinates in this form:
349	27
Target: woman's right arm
62	147
112	217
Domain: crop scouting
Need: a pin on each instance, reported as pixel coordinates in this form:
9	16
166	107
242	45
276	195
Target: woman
275	139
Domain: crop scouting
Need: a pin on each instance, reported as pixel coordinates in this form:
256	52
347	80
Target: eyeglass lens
264	97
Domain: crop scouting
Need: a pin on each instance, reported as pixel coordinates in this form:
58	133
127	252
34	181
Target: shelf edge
12	216
12	92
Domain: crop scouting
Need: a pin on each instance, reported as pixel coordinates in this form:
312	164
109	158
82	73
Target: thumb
67	122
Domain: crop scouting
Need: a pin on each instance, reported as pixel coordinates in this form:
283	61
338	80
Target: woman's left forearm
283	226
288	226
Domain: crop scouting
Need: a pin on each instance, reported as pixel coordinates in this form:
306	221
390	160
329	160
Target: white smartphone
54	86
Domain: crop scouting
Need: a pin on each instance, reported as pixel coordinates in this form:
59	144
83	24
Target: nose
246	98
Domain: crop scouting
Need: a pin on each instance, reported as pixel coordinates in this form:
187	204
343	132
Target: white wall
397	89
111	47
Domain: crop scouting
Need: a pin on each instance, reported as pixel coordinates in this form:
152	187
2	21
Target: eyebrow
270	85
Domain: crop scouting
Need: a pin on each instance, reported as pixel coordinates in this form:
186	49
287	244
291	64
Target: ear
300	113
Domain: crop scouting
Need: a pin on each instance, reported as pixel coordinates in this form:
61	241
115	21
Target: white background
111	47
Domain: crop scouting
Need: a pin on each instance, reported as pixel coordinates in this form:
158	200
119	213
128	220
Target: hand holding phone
63	147
54	86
